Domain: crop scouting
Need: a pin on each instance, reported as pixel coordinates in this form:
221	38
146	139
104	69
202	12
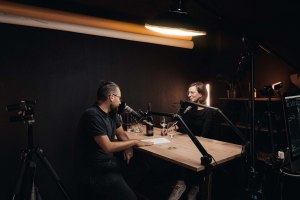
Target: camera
25	105
25	111
267	91
277	86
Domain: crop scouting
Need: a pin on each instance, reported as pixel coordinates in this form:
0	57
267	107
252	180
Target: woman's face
193	94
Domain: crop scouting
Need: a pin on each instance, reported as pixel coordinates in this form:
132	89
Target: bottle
127	122
149	128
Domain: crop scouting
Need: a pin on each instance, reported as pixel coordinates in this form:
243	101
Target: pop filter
121	108
124	108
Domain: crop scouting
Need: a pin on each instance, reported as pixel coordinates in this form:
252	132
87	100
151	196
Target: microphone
187	110
138	116
192	104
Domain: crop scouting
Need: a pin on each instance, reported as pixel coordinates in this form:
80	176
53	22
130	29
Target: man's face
193	94
115	99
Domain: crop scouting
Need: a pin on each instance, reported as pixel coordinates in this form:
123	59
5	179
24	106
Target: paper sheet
157	140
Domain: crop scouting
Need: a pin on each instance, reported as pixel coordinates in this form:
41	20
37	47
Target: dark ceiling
270	23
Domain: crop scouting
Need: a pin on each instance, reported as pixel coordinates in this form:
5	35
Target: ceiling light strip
72	19
25	21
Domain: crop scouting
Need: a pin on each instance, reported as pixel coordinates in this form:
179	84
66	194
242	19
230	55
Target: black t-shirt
95	122
200	122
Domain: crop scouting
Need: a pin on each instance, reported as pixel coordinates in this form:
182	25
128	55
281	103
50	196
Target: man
99	126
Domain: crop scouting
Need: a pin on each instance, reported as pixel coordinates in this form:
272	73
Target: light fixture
208	94
34	16
176	21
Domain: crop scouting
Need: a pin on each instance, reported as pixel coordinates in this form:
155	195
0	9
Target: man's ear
110	98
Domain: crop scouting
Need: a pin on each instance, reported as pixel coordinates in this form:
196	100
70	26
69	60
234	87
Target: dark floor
230	181
158	179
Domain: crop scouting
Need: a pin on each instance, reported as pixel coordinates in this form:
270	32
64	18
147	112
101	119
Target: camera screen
292	104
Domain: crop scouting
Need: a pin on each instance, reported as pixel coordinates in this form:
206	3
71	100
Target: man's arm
121	134
109	147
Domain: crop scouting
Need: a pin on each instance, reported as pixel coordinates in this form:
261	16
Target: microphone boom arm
206	157
235	129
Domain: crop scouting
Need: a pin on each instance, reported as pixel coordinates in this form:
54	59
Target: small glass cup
129	128
171	131
137	128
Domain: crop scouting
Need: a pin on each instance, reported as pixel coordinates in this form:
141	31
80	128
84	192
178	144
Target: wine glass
137	127
171	131
163	125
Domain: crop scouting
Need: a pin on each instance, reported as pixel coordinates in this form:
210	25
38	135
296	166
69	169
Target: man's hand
140	143
128	154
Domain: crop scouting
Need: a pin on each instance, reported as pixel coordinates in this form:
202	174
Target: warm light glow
174	31
26	15
208	94
276	86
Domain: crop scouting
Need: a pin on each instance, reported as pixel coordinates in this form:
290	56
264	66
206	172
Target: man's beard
113	109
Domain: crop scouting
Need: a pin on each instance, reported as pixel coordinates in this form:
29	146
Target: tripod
26	187
270	127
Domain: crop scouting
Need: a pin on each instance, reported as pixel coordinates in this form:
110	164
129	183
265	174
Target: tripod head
25	111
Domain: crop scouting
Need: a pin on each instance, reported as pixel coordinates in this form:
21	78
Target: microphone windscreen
187	109
121	108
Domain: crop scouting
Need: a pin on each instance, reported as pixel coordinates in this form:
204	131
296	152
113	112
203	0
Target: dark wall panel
61	71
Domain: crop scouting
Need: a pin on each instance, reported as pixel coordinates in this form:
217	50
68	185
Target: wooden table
186	153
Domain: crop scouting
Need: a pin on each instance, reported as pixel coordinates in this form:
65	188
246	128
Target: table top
186	154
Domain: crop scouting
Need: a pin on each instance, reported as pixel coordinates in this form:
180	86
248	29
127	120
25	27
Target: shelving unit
237	110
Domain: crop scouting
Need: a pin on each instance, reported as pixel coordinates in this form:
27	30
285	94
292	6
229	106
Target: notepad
157	140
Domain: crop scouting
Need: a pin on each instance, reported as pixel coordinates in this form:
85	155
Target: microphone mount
235	129
206	158
140	116
246	143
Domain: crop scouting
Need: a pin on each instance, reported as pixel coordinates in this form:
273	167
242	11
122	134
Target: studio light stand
26	187
269	92
254	192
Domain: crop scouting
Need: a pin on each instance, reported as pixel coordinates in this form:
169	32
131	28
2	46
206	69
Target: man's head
109	92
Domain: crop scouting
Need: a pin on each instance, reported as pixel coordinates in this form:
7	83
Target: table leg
207	186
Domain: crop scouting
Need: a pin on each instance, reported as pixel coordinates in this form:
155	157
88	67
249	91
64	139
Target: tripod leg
52	171
25	180
20	179
35	195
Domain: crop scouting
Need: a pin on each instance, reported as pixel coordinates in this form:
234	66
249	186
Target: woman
199	120
201	123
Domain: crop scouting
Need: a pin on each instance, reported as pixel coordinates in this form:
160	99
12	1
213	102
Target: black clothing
100	172
200	122
96	122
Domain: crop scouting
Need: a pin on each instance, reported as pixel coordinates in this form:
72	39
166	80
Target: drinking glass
171	131
163	125
137	128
